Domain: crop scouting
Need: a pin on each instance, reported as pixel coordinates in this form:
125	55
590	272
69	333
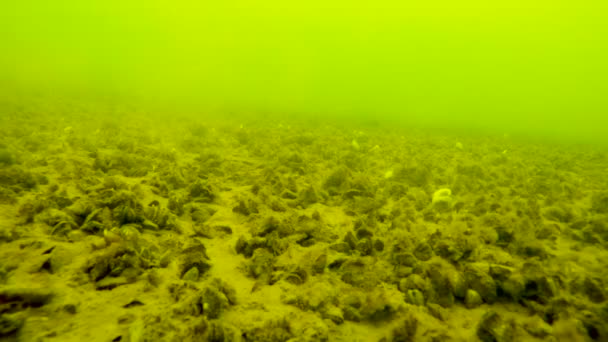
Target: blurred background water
534	67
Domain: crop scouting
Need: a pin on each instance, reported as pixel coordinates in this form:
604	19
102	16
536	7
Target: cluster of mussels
490	240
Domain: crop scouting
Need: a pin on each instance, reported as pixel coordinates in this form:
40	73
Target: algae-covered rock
423	251
220	331
7	196
6	158
226	289
405	331
442	293
532	248
352	314
414	282
591	287
202	192
194	255
414	297
599	202
334	314
457	282
437	311
245	207
381	304
9	325
537	327
270	331
472	299
213	302
514	286
192	274
365	247
558	213
478	279
413	175
365	272
494	328
261	263
540	288
248	246
110	282
308	196
450	248
404	259
337	180
17	179
351	240
20	298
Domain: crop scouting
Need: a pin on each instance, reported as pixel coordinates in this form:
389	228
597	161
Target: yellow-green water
534	67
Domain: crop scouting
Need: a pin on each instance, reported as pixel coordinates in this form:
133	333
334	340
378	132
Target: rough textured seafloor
119	227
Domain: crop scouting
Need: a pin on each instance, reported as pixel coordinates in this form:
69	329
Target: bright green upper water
523	66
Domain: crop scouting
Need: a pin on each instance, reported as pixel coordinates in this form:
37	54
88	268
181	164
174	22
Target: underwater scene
258	171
